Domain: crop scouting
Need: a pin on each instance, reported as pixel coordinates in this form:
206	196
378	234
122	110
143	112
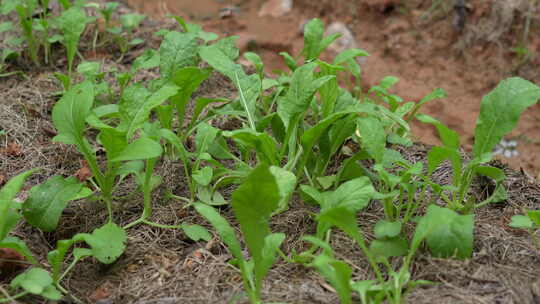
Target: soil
410	41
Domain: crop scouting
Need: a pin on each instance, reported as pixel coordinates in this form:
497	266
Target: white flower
507	148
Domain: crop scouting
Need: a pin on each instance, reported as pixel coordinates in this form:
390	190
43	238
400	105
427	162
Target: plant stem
12	298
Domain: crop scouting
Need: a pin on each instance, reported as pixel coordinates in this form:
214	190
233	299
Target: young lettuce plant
530	222
75	108
499	113
25	10
253	204
50	202
71	24
339	208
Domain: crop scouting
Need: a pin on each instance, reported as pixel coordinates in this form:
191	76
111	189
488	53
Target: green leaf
521	221
534	215
178	50
263	143
338	274
205	137
37	281
131	21
150	58
137	104
500	111
9	217
253	204
142	148
272	242
72	23
107	243
348	55
286	182
18	245
314	41
300	93
439	154
203	176
449	138
220	57
387	229
70	112
256	61
188	79
447	232
354	194
225	231
373	136
47	201
392	247
197	232
289	61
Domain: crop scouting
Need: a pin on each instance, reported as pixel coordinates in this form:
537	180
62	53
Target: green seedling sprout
530	221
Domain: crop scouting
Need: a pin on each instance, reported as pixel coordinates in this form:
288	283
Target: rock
276	8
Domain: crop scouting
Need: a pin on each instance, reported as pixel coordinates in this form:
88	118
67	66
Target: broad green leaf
391	247
521	221
500	111
131	21
253	204
272	242
300	93
113	141
37	281
178	50
72	23
56	257
9	217
373	136
203	176
256	61
197	232
18	245
70	112
534	215
200	105
354	194
264	144
388	229
47	201
220	57
286	182
338	274
205	137
136	106
188	79
348	55
150	58
330	90
7	6
435	94
107	243
344	218
314	41
447	232
289	61
449	138
142	148
439	154
225	231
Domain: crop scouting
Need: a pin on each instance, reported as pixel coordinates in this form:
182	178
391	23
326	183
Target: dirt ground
407	40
